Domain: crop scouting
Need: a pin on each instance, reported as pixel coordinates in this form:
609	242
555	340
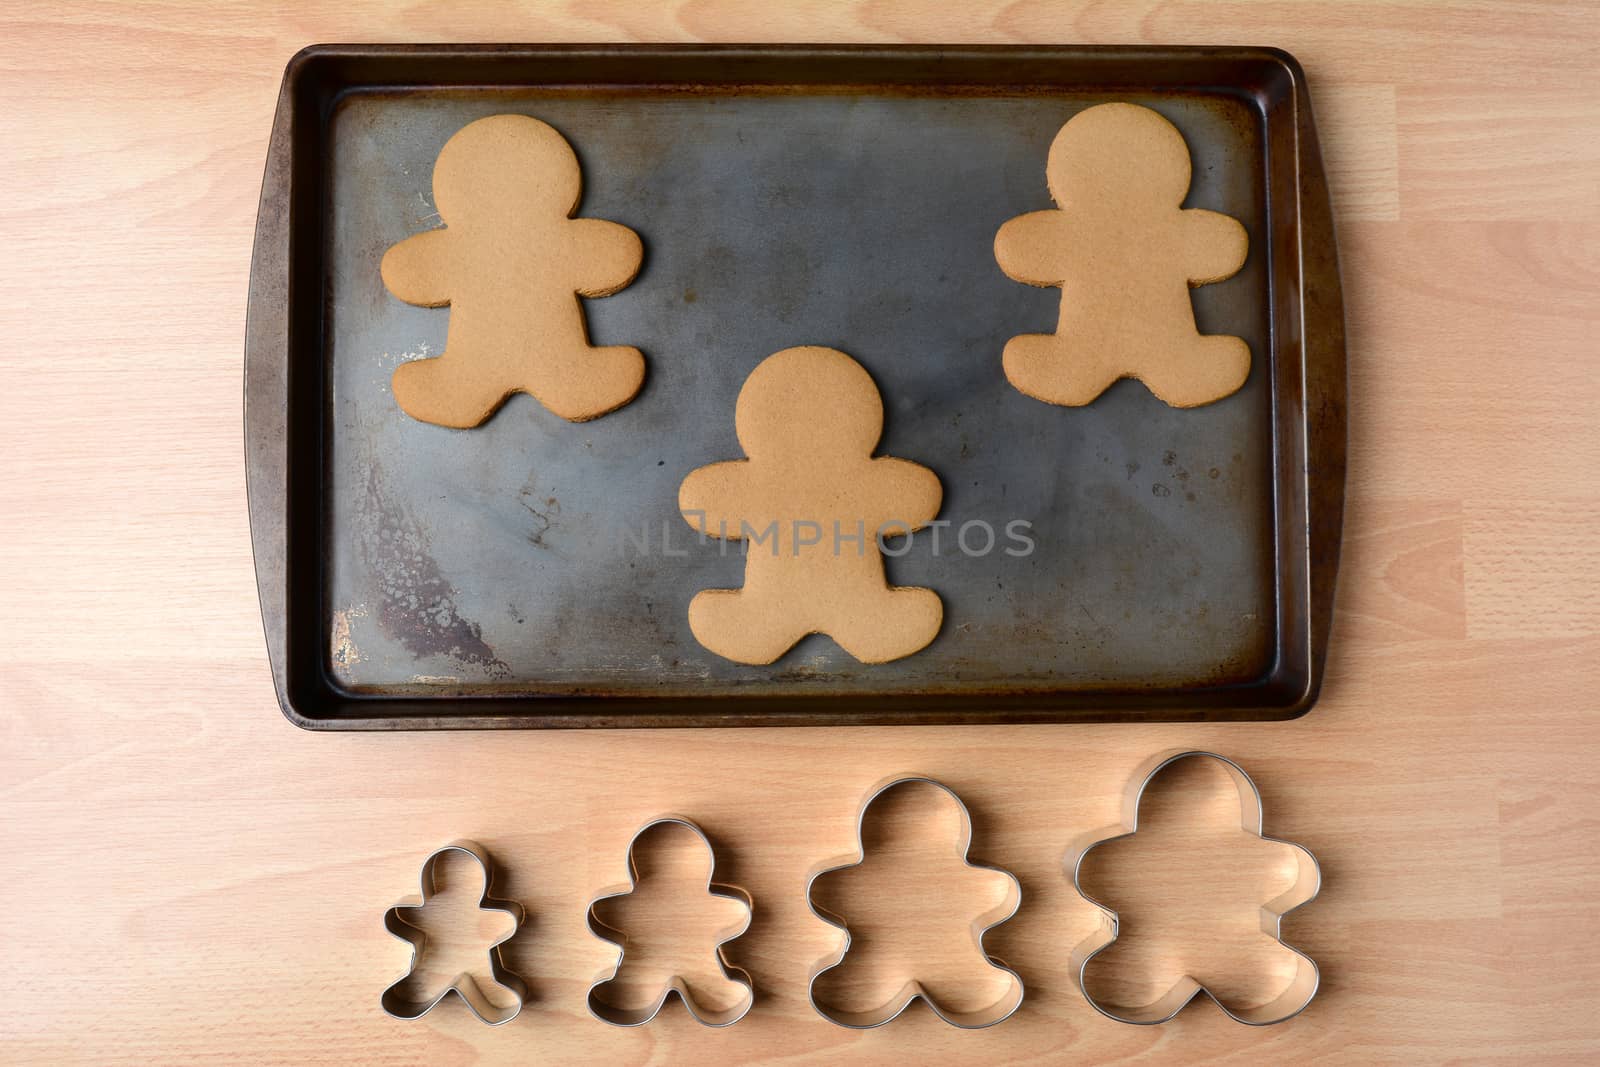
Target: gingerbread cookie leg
1213	365
743	626
585	383
893	623
1050	367
450	392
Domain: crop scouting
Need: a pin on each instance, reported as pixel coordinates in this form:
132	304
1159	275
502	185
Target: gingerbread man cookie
511	262
1124	252
812	501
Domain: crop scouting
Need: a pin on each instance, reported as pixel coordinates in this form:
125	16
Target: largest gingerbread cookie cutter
1295	997
913	990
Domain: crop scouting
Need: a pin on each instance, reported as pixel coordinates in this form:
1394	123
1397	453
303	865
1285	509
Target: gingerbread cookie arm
1214	246
715	498
605	256
909	494
417	270
1033	248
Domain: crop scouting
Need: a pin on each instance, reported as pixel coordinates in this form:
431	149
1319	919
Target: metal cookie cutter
976	1019
610	1013
467	986
1308	882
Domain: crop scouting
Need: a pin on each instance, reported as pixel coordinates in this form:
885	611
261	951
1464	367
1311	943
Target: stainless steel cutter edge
997	1013
614	1016
463	985
1308	883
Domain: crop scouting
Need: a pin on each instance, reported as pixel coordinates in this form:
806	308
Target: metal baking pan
417	577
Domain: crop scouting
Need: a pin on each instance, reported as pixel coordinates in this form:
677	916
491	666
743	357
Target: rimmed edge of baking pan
284	427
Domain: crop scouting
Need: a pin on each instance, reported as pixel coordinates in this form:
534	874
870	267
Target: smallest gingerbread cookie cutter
1294	999
610	1013
975	1019
465	985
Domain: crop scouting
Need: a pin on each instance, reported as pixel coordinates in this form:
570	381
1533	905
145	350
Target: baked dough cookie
511	262
812	501
1124	252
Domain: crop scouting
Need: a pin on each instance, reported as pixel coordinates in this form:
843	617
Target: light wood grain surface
190	877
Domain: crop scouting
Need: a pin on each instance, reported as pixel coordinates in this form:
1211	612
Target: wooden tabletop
192	876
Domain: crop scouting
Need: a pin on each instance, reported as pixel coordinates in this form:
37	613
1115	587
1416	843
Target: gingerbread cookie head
806	401
506	167
1118	153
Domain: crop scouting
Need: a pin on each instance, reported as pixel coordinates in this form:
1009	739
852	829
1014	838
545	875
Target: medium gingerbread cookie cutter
467	986
610	1013
913	990
1295	998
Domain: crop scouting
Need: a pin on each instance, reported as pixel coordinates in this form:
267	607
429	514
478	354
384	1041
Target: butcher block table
192	877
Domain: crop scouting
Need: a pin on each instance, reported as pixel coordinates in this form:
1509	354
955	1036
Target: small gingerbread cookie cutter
913	990
676	985
467	986
1294	999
